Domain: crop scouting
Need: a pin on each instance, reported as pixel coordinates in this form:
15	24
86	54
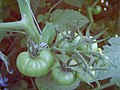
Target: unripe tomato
35	67
64	44
62	77
96	10
69	45
84	76
86	46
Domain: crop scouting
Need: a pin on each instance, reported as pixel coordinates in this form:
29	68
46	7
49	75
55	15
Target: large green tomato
35	67
62	77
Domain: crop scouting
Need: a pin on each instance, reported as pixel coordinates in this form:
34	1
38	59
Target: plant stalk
27	17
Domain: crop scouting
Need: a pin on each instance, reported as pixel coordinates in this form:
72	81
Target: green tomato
64	44
96	10
94	47
84	76
86	46
35	67
69	45
62	77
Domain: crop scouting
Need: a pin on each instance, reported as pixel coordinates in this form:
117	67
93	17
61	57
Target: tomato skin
96	10
35	67
62	77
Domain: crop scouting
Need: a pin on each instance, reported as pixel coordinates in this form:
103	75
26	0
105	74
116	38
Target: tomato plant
57	45
35	67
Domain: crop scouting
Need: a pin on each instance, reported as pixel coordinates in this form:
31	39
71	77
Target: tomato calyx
68	63
63	65
35	48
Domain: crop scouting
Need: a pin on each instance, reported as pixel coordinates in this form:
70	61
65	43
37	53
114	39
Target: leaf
42	3
2	34
48	33
40	18
113	53
5	60
115	80
35	4
76	3
24	84
67	19
46	83
43	18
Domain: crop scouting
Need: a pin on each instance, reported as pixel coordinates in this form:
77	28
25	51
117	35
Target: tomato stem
57	43
63	65
94	4
28	21
54	6
12	25
83	60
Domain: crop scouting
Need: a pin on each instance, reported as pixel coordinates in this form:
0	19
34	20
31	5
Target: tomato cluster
42	64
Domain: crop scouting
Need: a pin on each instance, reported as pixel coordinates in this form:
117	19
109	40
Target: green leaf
40	18
67	19
22	85
42	3
76	3
48	33
2	34
5	60
115	80
46	83
112	51
43	18
35	4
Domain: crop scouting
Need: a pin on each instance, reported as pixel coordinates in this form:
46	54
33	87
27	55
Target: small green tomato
62	77
96	10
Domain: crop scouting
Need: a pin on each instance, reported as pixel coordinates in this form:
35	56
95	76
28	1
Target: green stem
12	25
27	18
57	43
54	6
90	11
98	68
90	14
94	4
82	59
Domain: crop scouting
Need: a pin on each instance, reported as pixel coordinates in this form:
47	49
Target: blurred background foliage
11	45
